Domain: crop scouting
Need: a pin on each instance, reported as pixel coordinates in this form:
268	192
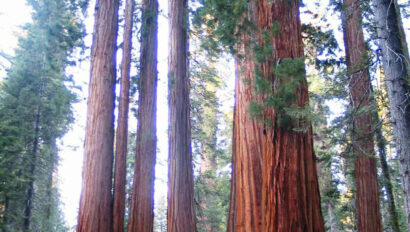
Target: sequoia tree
274	179
142	201
396	69
367	192
122	127
181	212
95	212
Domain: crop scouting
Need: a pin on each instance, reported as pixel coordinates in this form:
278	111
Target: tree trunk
246	184
122	127
142	201
274	179
367	191
49	194
95	212
396	69
207	175
381	145
386	182
181	212
32	165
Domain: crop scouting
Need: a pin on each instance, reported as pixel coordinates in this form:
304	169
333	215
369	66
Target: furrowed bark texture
122	123
396	69
181	212
274	180
95	213
367	191
246	183
142	201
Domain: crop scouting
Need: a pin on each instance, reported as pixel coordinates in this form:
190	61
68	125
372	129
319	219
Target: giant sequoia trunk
181	212
274	179
95	213
396	69
367	191
142	201
122	127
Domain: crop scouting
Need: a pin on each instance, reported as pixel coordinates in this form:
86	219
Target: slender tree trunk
367	191
30	191
274	180
181	212
381	145
122	124
49	194
95	213
142	201
402	33
396	68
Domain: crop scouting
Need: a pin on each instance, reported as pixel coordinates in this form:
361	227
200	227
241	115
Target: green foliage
35	110
281	94
324	42
219	23
256	110
275	30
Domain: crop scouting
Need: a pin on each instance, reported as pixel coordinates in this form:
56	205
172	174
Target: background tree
35	111
142	202
122	127
211	135
322	59
386	170
367	191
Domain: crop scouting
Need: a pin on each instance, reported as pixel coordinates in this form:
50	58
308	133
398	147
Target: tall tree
396	68
142	202
274	180
95	212
122	123
367	191
35	110
211	138
386	173
181	212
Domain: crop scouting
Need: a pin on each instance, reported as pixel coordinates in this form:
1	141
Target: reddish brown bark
95	213
367	192
142	201
122	124
274	180
246	185
181	212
